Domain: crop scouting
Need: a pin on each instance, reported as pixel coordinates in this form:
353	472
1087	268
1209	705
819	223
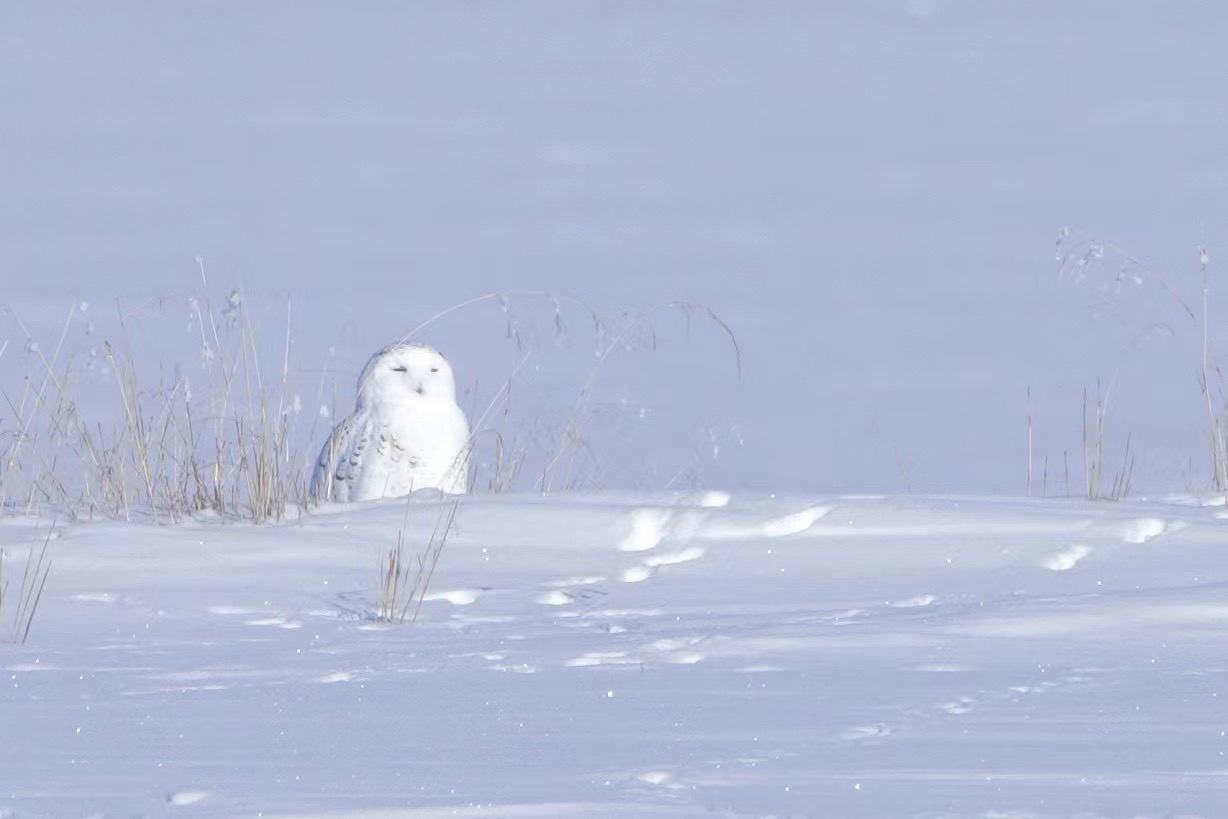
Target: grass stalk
167	454
400	599
30	592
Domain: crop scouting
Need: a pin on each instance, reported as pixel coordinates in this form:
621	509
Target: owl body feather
406	433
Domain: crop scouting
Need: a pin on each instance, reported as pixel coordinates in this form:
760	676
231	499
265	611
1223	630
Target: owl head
406	373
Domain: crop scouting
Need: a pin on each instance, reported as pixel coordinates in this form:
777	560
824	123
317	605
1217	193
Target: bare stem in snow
30	593
405	578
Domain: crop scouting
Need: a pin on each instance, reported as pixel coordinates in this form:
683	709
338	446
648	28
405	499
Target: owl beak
420	389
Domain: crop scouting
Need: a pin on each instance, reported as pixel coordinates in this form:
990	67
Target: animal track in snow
490	656
686	658
555	598
281	622
593	658
644	570
573	581
658	779
648	527
459	597
1068	559
795	523
651	526
636	573
561	597
682	556
612	614
1142	530
958	706
675	650
655	777
521	668
837	617
862	733
96	597
1039	688
914	602
337	676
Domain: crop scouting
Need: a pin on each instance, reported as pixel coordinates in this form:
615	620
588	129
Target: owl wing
340	461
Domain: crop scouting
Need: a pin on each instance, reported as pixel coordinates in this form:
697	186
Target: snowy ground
657	654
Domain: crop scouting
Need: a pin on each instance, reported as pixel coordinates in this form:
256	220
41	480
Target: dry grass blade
1031	456
1216	421
28	409
30	593
401	599
1078	251
561	455
571	440
166	453
161	455
1078	254
1095	453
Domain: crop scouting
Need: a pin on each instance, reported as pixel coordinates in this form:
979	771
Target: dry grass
29	593
518	441
229	446
1093	454
1078	257
405	578
234	444
168	452
1095	419
515	447
1211	382
569	448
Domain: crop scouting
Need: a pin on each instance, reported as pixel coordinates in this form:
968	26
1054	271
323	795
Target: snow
841	607
900	656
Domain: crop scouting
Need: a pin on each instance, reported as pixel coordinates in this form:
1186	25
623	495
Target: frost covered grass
1081	258
227	434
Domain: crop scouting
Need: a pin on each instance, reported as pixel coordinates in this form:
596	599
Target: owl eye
434	369
399	370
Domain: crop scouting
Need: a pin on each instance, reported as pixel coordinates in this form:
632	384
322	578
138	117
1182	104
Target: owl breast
393	456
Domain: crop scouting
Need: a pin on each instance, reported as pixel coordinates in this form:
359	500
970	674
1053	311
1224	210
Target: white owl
406	433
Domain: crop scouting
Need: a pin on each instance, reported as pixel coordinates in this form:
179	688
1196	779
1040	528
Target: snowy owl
406	433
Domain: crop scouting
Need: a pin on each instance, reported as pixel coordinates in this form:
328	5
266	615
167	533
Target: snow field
906	656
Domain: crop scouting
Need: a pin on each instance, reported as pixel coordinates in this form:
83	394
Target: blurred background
870	194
